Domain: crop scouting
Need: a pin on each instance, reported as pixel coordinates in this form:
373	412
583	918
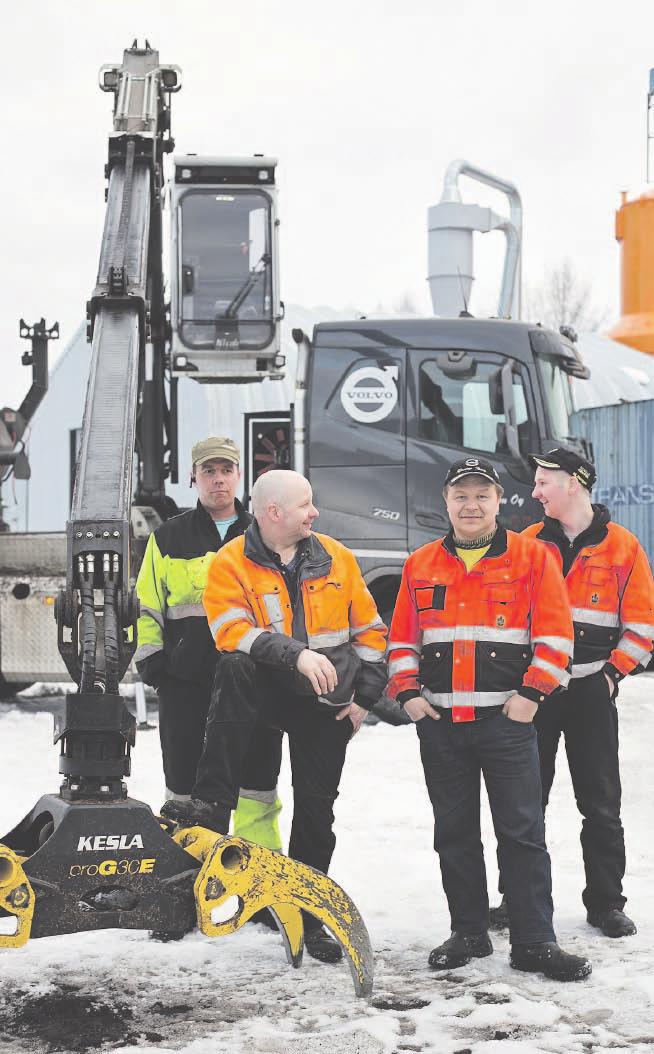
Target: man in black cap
611	592
481	637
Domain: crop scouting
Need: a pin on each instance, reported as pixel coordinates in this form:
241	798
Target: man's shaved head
276	487
283	507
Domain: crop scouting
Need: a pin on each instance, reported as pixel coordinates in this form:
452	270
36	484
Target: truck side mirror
510	426
188	279
495	397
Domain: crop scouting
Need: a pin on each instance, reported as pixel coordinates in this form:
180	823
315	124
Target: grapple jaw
16	898
261	878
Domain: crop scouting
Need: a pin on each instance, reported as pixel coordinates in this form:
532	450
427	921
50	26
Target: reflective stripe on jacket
173	635
249	610
473	638
611	593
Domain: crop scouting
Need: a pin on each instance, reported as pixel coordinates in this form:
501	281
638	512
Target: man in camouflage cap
176	652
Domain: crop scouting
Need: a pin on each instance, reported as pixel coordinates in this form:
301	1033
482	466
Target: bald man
302	650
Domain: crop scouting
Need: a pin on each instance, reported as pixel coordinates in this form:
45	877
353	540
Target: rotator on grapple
89	857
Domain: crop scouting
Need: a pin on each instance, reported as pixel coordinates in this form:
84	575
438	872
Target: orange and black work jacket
249	608
471	639
611	593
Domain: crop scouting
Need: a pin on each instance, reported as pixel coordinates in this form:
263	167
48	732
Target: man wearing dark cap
611	593
481	638
176	652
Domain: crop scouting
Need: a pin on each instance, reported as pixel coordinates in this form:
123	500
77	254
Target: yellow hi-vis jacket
249	609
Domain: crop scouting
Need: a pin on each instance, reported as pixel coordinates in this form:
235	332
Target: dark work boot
319	943
499	916
547	958
197	813
459	949
612	922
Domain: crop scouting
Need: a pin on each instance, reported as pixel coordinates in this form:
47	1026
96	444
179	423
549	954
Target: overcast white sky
363	105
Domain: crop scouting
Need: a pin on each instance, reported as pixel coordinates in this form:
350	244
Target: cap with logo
216	447
471	466
567	461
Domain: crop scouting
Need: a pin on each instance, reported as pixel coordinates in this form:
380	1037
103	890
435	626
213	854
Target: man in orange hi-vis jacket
611	593
481	638
303	649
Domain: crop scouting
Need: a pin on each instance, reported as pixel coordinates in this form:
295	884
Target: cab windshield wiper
232	309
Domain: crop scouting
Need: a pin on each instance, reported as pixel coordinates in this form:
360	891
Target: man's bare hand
517	708
356	714
418	707
319	670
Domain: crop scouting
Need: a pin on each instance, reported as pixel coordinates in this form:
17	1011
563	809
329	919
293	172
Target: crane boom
99	645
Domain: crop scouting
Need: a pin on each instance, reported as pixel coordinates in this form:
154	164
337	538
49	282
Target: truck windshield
468	411
225	269
558	397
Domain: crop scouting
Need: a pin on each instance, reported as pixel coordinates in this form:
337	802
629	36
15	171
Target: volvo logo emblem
369	394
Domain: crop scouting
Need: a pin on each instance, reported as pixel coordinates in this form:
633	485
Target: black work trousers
587	718
248	697
454	757
183	710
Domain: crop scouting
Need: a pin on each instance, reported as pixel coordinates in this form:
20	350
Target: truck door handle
429	518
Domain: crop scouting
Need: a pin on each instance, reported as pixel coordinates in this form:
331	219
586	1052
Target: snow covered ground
120	991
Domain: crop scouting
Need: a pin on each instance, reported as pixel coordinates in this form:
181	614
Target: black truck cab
391	404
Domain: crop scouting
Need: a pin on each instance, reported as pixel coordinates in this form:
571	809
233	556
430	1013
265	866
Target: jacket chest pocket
199	572
328	604
430	599
600	587
272	607
500	601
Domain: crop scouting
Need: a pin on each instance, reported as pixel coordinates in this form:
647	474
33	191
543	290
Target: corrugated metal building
624	455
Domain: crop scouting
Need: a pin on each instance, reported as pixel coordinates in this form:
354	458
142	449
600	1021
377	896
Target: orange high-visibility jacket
466	639
249	610
611	593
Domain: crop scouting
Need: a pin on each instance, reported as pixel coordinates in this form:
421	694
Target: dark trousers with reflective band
588	720
454	757
183	710
247	697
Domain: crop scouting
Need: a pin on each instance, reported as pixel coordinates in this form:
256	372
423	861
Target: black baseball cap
568	461
471	466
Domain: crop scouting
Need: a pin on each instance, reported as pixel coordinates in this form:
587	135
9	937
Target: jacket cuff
363	702
613	673
533	694
403	697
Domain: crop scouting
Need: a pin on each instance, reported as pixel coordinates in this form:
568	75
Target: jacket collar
496	547
315	561
596	532
243	518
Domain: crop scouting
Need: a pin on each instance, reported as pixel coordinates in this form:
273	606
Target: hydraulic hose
89	636
111	635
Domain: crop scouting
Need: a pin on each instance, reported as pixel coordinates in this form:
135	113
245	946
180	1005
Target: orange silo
634	230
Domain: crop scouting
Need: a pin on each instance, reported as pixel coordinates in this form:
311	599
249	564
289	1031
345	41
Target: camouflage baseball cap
216	447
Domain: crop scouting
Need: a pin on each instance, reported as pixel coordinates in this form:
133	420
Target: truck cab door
356	444
463	403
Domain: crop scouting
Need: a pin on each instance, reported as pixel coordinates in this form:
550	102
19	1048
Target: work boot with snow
197	813
319	943
499	916
459	949
612	922
547	958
